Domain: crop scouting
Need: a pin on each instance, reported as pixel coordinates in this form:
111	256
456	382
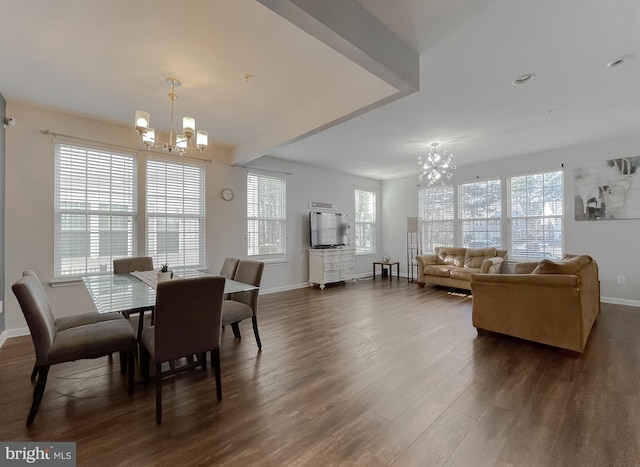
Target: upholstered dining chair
69	339
187	323
78	319
229	267
243	305
132	264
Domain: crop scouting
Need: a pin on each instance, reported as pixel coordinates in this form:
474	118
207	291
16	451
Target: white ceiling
107	59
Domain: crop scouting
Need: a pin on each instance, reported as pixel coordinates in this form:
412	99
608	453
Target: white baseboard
620	301
9	333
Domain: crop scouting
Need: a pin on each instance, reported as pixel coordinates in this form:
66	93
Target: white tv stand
328	265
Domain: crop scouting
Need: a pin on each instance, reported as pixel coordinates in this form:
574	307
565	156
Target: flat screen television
328	229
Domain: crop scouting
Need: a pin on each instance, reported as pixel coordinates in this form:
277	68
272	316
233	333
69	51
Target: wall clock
227	194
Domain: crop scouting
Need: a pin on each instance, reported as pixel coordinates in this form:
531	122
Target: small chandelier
435	167
177	142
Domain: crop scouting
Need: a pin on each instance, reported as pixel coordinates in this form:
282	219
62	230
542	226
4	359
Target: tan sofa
554	303
453	266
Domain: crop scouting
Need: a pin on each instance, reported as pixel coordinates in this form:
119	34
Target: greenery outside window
536	215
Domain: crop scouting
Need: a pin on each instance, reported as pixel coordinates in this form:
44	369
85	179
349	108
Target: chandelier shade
179	143
435	167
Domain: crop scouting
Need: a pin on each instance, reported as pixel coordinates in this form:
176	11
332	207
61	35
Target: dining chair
132	264
78	319
229	267
187	323
70	338
243	305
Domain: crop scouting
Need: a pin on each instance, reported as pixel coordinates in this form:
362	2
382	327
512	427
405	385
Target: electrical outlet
1	306
622	280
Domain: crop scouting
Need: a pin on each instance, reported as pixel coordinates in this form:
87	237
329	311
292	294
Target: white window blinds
365	208
266	216
175	203
94	208
436	208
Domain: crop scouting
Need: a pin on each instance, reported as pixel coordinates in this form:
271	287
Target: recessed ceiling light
618	62
551	111
523	79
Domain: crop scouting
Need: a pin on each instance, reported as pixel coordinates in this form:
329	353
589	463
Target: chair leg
236	331
123	361
34	372
203	361
130	369
38	391
254	320
158	392
144	364
215	364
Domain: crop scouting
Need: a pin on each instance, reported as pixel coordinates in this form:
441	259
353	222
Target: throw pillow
570	265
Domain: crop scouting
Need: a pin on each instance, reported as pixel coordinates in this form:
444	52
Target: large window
536	214
95	209
365	221
436	209
175	213
266	216
479	213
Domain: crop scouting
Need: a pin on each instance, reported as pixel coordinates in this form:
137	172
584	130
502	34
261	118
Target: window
536	213
94	209
365	221
436	209
266	216
479	213
175	213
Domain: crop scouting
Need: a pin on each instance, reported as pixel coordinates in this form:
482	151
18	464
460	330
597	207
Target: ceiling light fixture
435	167
523	79
177	142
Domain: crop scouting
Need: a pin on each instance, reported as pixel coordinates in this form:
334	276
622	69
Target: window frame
543	251
428	222
257	212
184	208
476	219
370	225
121	189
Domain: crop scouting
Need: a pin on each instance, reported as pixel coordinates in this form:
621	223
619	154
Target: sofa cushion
463	273
451	255
474	257
569	265
439	270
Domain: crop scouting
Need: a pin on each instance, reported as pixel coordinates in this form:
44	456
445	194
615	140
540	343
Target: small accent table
390	264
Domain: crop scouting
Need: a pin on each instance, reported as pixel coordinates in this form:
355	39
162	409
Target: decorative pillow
568	265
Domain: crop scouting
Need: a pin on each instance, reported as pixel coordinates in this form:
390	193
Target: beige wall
30	191
30	218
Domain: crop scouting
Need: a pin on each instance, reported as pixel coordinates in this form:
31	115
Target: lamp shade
202	139
142	121
189	126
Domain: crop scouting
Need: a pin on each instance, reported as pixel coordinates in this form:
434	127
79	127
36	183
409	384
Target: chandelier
435	167
177	142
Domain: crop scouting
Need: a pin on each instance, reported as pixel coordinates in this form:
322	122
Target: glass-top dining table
127	294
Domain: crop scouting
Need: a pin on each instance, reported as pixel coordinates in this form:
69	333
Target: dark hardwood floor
367	373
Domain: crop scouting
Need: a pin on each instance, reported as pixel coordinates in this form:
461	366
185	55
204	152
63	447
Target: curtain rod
266	170
136	150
